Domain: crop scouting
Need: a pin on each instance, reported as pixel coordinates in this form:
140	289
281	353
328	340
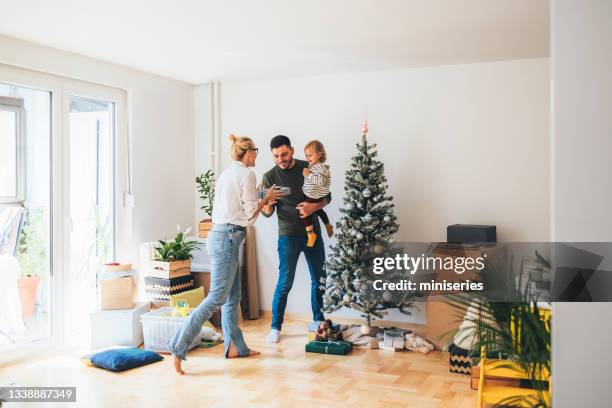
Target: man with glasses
290	210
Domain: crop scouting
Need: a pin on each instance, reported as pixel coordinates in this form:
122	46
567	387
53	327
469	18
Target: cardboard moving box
169	274
116	267
117	293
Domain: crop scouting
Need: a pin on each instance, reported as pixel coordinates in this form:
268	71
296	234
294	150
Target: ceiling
197	41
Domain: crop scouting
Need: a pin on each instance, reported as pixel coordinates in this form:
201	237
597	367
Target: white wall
462	144
581	62
161	125
203	141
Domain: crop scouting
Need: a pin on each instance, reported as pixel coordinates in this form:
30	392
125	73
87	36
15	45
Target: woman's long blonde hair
240	145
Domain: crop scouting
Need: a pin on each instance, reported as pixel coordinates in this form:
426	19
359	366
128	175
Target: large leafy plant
206	187
179	249
517	329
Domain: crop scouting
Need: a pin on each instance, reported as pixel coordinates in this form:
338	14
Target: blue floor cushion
124	358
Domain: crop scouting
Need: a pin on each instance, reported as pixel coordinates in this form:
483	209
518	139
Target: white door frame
60	87
37	80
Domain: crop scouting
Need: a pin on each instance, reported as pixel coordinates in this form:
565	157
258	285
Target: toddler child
317	180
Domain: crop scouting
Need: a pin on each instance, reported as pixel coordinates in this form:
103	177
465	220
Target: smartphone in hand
262	193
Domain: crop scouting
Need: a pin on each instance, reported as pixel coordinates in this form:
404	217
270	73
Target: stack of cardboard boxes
166	279
117	323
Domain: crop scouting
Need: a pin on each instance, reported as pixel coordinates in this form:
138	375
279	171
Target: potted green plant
206	187
32	256
173	258
517	329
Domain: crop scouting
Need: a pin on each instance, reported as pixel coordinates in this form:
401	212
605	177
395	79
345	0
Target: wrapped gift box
393	339
162	289
340	348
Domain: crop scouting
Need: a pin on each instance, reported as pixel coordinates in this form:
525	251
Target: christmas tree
364	231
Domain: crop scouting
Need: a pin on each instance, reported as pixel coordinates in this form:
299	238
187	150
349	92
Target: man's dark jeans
289	249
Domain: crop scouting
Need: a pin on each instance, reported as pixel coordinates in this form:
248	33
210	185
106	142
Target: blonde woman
235	207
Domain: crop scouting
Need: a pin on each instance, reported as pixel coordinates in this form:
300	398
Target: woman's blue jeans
223	245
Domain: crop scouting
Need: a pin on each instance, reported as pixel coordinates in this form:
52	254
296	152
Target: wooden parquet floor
283	376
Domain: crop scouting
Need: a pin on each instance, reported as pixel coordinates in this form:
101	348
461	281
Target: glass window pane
91	204
8	153
27	269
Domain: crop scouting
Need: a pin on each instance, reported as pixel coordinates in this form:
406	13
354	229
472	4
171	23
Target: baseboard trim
415	327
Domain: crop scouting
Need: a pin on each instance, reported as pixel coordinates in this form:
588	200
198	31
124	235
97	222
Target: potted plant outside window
32	256
206	187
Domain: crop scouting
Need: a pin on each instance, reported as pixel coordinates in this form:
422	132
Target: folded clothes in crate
162	289
340	348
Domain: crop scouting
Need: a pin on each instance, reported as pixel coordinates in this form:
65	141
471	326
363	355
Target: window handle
70	224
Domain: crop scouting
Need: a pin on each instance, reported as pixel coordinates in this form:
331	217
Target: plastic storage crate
159	327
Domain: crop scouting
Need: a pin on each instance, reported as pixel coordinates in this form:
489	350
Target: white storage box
159	327
117	327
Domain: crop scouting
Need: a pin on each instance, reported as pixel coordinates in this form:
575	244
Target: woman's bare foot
233	353
177	365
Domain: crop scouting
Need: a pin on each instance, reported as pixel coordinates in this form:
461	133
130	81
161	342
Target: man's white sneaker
274	336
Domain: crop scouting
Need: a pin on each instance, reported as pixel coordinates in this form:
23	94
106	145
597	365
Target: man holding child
291	210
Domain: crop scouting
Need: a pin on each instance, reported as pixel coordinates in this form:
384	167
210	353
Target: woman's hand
266	204
306	172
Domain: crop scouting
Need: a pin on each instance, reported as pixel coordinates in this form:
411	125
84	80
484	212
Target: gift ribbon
331	342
